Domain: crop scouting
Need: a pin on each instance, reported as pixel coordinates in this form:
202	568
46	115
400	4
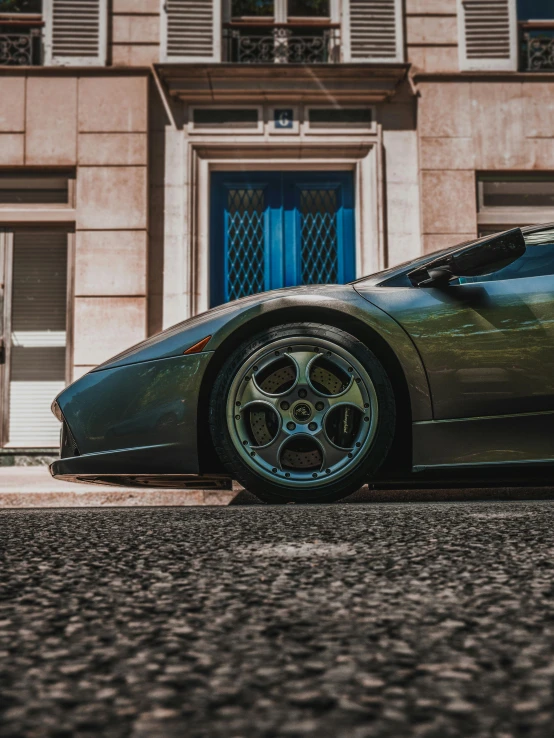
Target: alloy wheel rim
302	412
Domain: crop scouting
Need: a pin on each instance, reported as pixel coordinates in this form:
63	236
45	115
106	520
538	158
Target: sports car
305	394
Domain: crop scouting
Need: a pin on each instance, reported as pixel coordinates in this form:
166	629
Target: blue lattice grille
246	246
318	232
279	229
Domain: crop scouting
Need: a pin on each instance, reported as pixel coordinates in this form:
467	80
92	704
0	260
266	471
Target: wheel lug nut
349	456
302	393
254	368
312	426
314	475
287	475
291	425
327	471
285	405
366	404
319	406
274	470
237	417
238	404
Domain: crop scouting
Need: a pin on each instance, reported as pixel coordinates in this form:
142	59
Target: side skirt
526	438
167	481
149	466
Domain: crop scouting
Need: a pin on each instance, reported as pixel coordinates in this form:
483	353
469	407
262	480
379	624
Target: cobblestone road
423	619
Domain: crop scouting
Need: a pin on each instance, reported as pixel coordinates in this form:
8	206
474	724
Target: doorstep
32	486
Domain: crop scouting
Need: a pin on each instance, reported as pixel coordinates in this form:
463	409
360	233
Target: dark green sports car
305	394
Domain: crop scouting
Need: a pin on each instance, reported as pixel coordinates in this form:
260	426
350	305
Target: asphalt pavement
400	619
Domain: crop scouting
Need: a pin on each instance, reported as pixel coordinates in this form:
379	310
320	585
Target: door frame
363	159
6	260
6	278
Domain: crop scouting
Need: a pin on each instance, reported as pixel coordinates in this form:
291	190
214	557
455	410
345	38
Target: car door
487	342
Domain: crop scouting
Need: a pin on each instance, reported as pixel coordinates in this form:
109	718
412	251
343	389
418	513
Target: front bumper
133	420
97	469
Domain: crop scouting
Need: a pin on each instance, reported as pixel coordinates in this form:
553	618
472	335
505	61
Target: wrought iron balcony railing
283	45
20	42
537	46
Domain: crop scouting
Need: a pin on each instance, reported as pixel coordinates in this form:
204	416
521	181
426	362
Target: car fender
339	301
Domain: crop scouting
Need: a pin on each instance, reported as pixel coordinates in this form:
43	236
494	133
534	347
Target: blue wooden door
279	229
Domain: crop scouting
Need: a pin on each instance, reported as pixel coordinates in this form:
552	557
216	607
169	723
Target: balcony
21	40
536	46
287	43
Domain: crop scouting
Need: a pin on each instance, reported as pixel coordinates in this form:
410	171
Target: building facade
158	157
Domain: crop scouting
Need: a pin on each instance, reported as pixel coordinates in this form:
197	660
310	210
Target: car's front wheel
302	413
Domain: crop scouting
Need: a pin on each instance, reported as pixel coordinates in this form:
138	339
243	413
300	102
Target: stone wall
432	35
135	32
97	123
466	126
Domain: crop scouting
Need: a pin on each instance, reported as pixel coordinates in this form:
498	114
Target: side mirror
485	256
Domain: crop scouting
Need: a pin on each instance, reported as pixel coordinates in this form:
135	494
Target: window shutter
76	32
191	30
487	31
373	31
38	336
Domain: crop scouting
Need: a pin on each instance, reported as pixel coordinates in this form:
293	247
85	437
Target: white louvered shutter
373	31
487	35
38	336
76	32
191	30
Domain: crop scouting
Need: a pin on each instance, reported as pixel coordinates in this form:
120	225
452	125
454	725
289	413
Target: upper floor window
252	8
506	35
280	9
21	6
59	32
294	31
308	8
20	32
282	31
536	35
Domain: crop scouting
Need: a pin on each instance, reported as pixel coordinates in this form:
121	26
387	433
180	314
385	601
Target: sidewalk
32	486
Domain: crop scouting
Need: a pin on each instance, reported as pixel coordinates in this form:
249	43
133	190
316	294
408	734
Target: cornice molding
234	83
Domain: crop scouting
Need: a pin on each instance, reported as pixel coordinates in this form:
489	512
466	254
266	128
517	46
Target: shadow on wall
157	122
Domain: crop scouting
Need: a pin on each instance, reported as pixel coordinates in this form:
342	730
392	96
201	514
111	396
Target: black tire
348	474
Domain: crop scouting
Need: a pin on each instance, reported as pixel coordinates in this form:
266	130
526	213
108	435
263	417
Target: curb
115	498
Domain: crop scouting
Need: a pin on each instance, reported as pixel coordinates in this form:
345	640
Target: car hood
177	339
